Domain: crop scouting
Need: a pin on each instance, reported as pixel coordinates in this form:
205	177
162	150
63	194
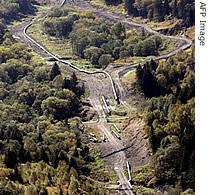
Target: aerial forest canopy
169	116
40	129
40	126
42	147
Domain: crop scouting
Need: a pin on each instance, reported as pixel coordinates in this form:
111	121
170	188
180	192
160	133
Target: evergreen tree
130	8
55	71
113	2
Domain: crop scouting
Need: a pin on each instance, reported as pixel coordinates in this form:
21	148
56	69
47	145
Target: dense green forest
98	40
169	117
40	128
159	10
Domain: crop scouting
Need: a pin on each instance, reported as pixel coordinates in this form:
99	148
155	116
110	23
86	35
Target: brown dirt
134	135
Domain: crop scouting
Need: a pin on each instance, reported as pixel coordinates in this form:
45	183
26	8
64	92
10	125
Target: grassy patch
191	32
37	59
130	60
117	9
129	78
147	191
167	46
61	47
142	175
98	2
53	44
162	25
100	172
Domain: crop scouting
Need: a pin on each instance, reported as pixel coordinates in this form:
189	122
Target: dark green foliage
113	2
55	71
104	60
175	153
14	70
167	163
12	152
79	45
15	51
168	77
93	54
11	10
59	26
170	120
2	30
58	12
7	191
159	10
147	47
147	81
118	30
130	7
62	106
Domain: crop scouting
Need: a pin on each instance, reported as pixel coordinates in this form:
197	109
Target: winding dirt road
185	42
96	82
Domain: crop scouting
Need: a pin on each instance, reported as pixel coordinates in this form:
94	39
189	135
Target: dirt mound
138	152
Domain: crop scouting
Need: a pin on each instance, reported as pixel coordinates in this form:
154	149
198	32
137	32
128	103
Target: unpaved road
99	85
119	159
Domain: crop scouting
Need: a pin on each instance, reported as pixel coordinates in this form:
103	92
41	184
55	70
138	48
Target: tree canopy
40	129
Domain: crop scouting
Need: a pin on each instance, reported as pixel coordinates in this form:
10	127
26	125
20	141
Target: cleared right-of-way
98	88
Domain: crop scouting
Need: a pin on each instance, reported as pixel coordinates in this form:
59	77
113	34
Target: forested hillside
159	10
40	127
169	118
